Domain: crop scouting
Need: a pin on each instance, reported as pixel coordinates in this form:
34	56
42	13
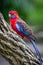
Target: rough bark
13	48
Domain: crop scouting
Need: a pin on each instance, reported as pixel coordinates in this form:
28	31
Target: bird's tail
37	51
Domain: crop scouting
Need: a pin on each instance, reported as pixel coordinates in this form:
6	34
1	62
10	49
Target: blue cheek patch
13	16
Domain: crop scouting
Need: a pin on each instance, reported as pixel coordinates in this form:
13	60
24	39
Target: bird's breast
13	25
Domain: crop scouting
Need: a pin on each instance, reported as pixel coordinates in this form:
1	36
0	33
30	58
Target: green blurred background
29	10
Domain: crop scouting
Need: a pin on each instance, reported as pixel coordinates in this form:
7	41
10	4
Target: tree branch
13	48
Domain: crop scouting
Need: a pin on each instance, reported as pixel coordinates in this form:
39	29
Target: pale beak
9	15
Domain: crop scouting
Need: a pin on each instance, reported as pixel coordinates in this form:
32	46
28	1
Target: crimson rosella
23	30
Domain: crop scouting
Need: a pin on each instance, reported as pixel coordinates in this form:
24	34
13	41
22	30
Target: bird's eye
13	16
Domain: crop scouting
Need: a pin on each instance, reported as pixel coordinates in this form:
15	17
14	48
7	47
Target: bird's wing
24	28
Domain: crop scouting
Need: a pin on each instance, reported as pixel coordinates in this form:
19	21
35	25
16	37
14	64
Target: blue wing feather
21	28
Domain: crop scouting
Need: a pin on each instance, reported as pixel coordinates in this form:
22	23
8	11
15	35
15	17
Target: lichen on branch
13	48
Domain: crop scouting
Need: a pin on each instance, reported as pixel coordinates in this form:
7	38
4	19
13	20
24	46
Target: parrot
23	29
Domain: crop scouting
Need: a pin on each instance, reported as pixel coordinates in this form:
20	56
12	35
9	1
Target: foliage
29	10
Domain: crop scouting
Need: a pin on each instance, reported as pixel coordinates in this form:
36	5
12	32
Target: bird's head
13	14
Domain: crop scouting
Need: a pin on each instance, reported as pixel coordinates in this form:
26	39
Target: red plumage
13	24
